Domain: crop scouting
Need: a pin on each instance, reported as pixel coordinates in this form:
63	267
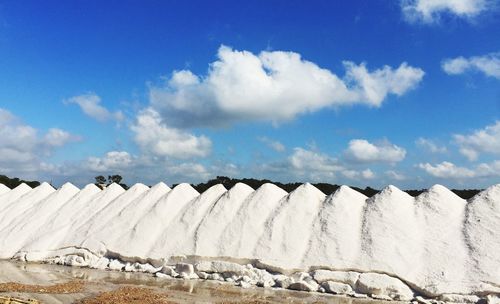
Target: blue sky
364	93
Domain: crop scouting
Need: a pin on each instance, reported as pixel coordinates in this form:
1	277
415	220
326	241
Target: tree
100	179
114	179
14	182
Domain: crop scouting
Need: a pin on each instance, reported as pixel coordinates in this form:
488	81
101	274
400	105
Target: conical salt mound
33	217
144	234
13	195
390	229
247	226
89	233
289	232
117	230
336	236
437	243
208	236
17	207
482	235
4	189
179	236
57	225
440	214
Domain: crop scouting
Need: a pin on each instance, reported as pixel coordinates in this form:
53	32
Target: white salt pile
3	189
391	246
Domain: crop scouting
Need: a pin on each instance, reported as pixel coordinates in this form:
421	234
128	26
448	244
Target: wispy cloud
431	11
23	148
361	150
488	64
449	170
486	140
430	145
90	104
273	144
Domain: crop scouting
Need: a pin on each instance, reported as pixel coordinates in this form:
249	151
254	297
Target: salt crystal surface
7	198
436	243
3	189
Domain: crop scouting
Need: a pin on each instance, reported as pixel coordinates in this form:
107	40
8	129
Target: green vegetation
228	182
101	182
14	182
324	187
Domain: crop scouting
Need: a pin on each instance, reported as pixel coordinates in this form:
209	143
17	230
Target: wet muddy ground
61	284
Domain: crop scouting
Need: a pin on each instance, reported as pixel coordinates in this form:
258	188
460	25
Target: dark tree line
14	182
228	183
326	188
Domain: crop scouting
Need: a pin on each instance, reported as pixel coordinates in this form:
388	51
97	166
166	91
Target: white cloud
302	164
273	144
303	160
361	150
189	171
395	175
488	64
155	137
271	86
22	148
57	137
430	11
314	166
111	162
367	174
90	104
430	145
486	140
451	171
373	87
356	175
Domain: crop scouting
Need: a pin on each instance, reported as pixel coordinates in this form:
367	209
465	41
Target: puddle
96	282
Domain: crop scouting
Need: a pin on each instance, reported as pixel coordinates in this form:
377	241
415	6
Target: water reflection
180	291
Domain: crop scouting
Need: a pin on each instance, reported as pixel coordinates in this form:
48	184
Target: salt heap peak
7	198
117	231
216	220
3	189
336	236
247	226
185	188
91	186
392	191
392	240
56	227
160	185
345	193
16	207
69	187
491	194
86	234
22	186
21	228
143	232
114	187
440	214
390	236
440	192
288	229
180	236
483	237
